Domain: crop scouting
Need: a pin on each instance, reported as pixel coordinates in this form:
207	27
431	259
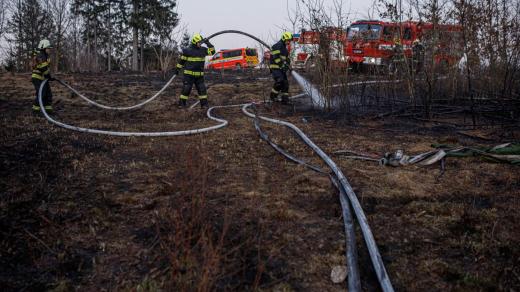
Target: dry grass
224	211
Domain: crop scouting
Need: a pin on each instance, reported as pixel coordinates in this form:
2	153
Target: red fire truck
307	47
378	43
234	59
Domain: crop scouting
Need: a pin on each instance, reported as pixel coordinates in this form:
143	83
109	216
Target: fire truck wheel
392	68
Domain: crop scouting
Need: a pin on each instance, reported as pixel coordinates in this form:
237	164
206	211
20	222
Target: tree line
91	35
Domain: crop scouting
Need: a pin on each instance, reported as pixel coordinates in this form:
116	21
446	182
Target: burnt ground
224	211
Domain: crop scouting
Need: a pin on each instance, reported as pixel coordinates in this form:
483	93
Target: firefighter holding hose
41	71
279	65
192	63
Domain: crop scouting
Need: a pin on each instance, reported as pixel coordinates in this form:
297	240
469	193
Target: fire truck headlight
372	61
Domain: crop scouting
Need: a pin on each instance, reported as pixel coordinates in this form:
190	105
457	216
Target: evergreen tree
154	18
28	24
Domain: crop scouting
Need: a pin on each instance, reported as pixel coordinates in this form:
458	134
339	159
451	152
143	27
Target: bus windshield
364	31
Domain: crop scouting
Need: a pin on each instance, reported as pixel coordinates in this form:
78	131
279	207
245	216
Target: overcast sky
261	18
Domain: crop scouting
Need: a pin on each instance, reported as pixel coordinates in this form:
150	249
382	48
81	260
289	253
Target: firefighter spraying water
279	65
192	62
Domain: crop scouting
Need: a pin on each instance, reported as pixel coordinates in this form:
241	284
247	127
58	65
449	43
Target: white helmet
44	44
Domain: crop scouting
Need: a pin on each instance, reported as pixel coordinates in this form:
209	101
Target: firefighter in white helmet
40	72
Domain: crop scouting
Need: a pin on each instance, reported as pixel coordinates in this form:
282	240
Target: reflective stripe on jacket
193	58
41	68
279	56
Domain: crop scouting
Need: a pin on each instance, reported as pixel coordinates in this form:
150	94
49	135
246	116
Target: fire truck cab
234	59
307	47
378	43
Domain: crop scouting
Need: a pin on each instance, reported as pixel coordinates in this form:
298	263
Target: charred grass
223	211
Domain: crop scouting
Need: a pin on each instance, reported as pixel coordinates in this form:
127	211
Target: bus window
216	56
251	52
231	54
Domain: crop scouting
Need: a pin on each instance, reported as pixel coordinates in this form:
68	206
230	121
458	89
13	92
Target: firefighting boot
182	103
48	108
204	103
285	98
273	96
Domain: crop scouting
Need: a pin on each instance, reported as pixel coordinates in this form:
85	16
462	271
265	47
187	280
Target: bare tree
3	16
135	36
60	13
166	49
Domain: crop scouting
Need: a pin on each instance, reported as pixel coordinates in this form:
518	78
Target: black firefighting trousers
46	93
281	84
188	83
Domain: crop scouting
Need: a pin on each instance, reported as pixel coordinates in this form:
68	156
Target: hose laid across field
339	180
222	123
375	255
120	108
354	283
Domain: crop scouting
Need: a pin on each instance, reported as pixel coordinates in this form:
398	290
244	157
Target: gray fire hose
354	283
222	123
375	256
238	32
118	107
345	188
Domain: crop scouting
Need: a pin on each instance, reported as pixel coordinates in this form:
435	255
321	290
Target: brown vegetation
224	211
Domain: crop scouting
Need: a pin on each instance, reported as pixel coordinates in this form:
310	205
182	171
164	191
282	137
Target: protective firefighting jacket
193	58
279	56
41	67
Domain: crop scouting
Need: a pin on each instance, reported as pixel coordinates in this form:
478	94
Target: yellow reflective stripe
37	76
283	57
179	66
47	72
273	66
274	91
184	97
188	72
275	52
35	108
195	59
285	94
42	65
277	60
203	97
